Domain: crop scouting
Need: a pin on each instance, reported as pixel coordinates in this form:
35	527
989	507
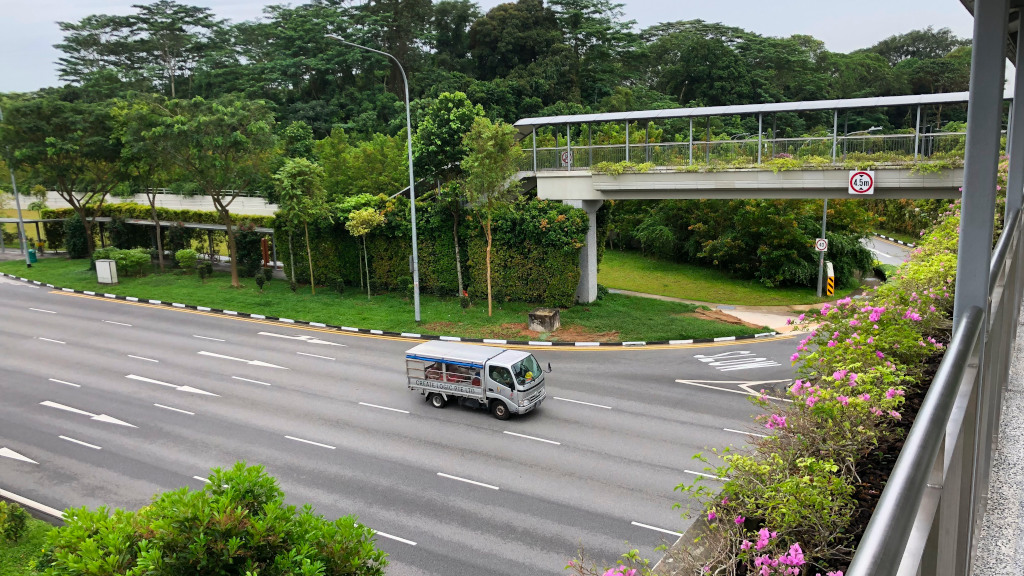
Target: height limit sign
862	182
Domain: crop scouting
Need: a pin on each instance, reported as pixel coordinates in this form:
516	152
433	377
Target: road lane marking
207	338
474	482
175	409
712	476
311	442
41	310
248	380
745	391
581	402
532	438
384	407
49	340
249	362
93	446
315	356
142	358
681	344
97	417
649	527
8	453
386	535
736	360
63	382
175	386
117	323
31	503
747	433
200	478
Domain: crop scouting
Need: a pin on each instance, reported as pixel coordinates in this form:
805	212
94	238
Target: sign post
824	247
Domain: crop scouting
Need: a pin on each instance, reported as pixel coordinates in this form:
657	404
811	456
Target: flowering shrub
787	506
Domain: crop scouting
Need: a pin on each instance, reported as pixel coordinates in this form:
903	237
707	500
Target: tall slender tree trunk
156	223
458	261
366	259
291	256
309	256
488	232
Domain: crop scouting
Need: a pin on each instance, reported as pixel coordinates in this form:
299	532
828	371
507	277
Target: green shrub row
13	521
792	499
134	262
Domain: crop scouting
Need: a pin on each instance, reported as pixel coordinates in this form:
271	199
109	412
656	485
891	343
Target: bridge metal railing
930	512
751	151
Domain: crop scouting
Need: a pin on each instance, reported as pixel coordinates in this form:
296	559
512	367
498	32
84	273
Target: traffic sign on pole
821	244
862	182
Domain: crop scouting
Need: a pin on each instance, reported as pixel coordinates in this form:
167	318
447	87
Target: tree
237	524
598	39
172	38
300	189
64	142
360	223
222	146
438	146
375	166
450	26
492	162
926	44
512	35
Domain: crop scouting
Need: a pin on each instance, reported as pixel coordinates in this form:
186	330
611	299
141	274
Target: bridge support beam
586	290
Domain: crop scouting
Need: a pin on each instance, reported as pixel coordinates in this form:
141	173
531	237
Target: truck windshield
526	371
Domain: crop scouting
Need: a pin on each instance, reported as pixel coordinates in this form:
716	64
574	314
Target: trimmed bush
186	259
237	524
74	237
132	262
13	521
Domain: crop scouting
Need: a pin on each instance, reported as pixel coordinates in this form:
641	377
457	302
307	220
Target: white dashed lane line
248	380
746	433
315	355
142	358
175	409
383	407
67	383
207	338
50	340
581	402
117	323
311	442
86	444
467	481
712	476
649	527
41	310
533	438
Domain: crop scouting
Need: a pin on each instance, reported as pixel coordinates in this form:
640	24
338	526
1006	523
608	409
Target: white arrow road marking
743	384
304	337
175	386
98	417
649	527
250	362
8	453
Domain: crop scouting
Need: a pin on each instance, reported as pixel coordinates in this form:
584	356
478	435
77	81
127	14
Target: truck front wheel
499	410
437	401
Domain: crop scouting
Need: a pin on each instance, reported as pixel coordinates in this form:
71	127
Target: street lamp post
17	203
412	182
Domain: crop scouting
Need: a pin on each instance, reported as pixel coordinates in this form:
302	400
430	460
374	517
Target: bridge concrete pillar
586	290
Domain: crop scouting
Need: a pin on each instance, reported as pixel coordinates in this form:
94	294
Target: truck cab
504	381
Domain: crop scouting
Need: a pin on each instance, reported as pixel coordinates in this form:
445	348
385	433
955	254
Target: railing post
590	145
534	149
835	132
647	142
981	160
627	141
759	118
917	131
691	141
568	148
707	147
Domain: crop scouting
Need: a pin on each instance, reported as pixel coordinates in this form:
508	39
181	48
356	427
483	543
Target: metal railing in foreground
930	511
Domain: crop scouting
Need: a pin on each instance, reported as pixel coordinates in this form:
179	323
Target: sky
28	28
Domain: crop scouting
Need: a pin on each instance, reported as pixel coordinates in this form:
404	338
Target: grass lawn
614	318
15	557
632	271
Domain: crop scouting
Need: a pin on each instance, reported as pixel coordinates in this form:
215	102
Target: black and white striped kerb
901	242
408	335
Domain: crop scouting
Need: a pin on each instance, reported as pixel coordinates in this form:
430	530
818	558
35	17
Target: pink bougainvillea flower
839	375
865	397
711	515
794	357
880	354
739	520
843	400
746	545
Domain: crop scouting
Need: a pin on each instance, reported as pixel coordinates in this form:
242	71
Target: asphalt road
886	252
117	401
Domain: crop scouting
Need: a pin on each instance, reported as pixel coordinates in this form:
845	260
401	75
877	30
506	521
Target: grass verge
613	318
908	238
632	271
15	557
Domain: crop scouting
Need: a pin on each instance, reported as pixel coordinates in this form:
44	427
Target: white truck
503	381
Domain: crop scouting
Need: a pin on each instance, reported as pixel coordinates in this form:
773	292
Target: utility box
545	320
106	272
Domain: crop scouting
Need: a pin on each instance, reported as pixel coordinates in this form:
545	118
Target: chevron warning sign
831	287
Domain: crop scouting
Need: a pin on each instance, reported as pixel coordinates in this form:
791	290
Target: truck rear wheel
499	410
437	401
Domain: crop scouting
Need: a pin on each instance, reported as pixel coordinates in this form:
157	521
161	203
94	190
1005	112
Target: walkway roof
527	124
